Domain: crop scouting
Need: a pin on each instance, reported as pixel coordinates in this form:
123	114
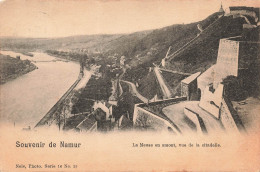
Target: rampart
234	54
229	117
151	114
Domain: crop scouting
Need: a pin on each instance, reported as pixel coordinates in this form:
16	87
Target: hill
142	49
202	52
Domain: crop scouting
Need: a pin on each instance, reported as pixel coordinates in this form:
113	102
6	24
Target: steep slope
153	47
202	52
149	86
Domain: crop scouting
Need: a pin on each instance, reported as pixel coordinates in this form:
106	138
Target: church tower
221	10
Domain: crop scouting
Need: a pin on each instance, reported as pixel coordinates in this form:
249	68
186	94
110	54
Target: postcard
129	85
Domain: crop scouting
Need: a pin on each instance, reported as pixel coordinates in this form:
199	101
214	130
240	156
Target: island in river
11	68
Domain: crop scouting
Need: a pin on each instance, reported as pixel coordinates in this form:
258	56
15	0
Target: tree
233	88
143	122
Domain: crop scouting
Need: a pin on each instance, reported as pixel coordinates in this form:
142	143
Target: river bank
26	99
11	68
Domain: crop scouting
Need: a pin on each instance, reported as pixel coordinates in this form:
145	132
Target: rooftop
87	123
74	121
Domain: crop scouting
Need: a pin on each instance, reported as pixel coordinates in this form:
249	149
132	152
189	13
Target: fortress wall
162	102
243	12
227	61
194	117
146	120
227	119
234	55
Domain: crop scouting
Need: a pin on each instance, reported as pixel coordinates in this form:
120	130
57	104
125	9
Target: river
26	99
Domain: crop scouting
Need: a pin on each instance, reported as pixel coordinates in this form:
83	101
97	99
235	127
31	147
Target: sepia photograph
129	85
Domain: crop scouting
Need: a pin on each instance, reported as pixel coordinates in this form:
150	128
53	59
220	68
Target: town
202	102
203	81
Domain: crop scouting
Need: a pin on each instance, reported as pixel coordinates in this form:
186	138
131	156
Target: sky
60	18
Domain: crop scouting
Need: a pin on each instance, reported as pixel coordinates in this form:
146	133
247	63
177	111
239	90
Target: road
78	84
135	92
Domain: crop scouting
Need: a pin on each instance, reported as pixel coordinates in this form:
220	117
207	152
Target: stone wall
229	117
227	61
146	120
226	118
190	90
184	90
244	12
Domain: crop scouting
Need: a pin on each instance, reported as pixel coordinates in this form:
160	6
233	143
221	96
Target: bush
233	89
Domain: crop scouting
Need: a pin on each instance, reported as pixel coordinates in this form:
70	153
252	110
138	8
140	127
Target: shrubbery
233	89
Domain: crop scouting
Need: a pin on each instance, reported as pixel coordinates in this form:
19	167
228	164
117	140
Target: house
81	123
107	108
89	124
102	123
189	87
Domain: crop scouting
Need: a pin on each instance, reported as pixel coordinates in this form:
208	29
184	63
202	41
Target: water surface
26	99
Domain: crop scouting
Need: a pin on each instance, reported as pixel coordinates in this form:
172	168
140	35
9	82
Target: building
211	100
237	57
81	123
89	124
214	112
221	10
245	11
189	87
107	108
